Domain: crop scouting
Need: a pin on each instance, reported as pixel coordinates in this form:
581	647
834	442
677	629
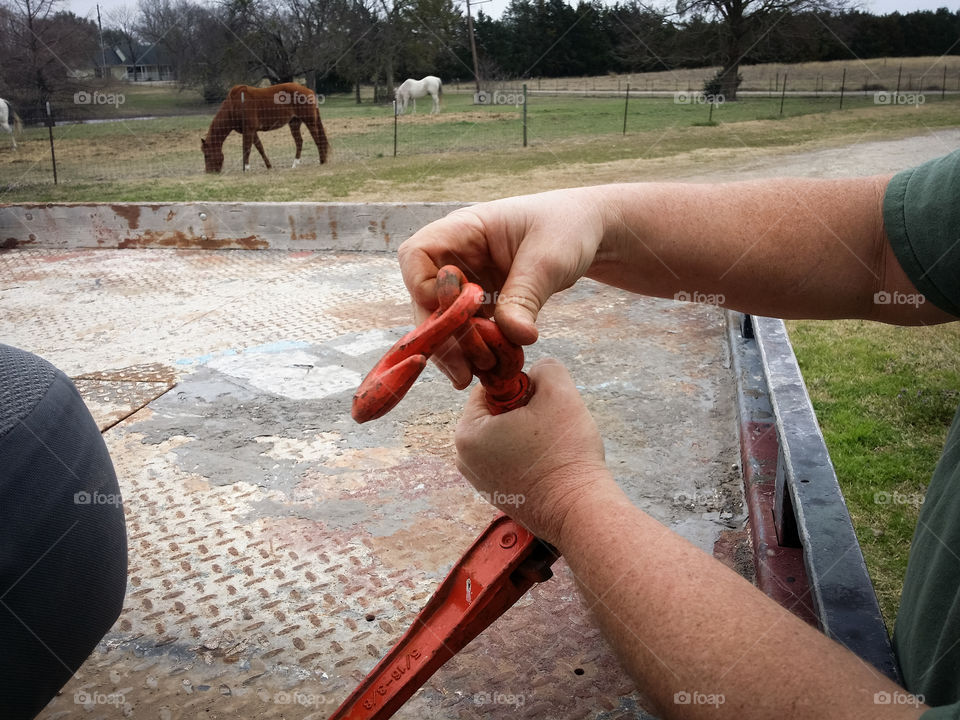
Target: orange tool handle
501	565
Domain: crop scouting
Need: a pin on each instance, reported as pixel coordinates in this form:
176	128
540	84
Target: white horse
411	89
6	115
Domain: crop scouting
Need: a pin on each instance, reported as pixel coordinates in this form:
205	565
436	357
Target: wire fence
94	140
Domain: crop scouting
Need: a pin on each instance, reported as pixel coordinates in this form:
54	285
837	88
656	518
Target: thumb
549	377
532	279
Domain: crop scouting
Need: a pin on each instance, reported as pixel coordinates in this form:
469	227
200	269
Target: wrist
595	495
610	253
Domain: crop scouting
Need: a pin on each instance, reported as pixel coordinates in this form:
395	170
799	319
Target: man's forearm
791	248
698	639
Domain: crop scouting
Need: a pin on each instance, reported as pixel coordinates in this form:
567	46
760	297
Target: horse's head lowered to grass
212	156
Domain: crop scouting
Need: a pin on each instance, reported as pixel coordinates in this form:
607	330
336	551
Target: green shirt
921	212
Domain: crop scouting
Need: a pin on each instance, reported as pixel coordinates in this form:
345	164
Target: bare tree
743	23
124	22
45	50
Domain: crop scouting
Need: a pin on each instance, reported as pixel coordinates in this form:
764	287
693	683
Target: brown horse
250	109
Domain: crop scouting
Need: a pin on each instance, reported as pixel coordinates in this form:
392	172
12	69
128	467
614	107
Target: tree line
341	45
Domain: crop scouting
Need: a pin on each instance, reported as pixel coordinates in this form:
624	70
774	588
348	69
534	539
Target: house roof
145	55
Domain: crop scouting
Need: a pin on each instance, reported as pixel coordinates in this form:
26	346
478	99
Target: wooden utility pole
473	42
103	54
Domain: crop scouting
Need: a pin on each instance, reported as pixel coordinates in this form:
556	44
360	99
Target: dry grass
878	73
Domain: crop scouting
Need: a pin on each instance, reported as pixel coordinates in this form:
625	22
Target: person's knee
62	533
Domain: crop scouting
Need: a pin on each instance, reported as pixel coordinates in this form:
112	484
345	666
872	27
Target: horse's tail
323	145
439	87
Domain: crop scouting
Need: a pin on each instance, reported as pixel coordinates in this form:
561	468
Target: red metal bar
501	565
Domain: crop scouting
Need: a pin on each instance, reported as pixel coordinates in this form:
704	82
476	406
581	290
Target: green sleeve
921	214
944	712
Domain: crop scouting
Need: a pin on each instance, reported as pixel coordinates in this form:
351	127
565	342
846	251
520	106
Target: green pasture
885	397
158	158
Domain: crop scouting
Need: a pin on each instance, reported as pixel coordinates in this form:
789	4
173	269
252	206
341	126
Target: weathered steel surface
217	225
843	595
780	572
278	549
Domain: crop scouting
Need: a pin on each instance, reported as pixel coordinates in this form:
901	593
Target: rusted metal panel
111	401
278	549
367	227
113	395
780	572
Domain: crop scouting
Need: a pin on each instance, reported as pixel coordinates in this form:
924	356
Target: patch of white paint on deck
293	374
367	342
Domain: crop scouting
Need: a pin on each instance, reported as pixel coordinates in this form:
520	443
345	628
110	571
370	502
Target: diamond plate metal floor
277	550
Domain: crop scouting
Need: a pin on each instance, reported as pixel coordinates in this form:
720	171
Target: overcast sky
88	8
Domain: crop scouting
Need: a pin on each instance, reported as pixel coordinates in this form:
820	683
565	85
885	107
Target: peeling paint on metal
276	548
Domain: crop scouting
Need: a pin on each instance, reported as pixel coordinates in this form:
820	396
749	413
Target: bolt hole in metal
370	617
578	671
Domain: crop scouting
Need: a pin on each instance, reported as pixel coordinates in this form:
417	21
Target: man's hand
520	250
537	461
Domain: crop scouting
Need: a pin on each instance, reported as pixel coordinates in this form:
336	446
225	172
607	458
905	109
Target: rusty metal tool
506	559
496	361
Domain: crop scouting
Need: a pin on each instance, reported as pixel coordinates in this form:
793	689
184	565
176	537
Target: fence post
783	93
843	83
53	155
394	127
626	103
899	75
243	165
524	114
943	85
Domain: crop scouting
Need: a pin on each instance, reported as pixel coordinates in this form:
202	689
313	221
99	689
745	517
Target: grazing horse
6	115
411	89
250	109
